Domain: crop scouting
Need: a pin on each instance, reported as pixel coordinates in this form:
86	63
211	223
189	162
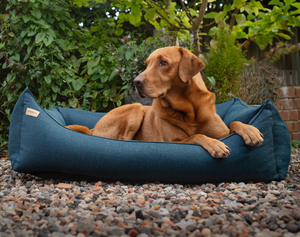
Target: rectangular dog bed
40	144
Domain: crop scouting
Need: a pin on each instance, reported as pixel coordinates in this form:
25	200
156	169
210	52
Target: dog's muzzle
138	83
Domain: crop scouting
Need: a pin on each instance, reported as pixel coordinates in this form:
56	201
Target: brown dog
183	110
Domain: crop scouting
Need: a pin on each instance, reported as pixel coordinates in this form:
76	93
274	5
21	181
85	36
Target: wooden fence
290	77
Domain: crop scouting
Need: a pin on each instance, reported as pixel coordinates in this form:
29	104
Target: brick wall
288	106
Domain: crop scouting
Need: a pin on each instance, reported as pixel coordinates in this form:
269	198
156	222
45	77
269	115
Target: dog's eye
163	63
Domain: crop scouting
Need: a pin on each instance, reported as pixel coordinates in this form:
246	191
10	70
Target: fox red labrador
183	110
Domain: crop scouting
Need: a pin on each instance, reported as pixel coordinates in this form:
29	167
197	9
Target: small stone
110	190
139	214
94	208
248	218
295	214
206	232
210	221
177	216
154	213
85	225
291	227
64	186
133	233
156	207
116	232
60	213
273	226
140	201
143	235
170	223
164	212
145	223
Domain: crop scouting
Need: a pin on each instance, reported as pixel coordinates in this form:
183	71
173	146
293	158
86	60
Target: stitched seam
273	148
20	142
46	111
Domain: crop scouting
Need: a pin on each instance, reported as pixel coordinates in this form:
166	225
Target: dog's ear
189	65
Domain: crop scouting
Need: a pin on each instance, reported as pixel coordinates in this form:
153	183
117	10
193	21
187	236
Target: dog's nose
138	82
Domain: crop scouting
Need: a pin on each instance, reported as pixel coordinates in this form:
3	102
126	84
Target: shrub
41	47
130	57
260	82
225	63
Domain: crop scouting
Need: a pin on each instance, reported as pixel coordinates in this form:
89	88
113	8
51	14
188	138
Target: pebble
31	206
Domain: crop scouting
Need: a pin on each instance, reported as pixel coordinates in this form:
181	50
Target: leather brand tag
32	112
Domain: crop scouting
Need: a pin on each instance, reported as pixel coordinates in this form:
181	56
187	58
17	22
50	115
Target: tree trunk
196	26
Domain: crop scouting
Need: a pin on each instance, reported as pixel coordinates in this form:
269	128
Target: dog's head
167	68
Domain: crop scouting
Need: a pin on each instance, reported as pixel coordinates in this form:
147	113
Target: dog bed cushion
40	144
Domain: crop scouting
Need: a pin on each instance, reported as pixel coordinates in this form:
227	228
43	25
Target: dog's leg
251	135
213	146
121	123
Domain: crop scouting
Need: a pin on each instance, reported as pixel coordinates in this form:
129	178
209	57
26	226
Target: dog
183	110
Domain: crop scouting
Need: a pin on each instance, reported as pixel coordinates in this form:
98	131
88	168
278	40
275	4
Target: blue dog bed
40	144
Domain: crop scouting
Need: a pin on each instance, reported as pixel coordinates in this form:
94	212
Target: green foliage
247	19
225	63
62	64
130	57
257	23
295	145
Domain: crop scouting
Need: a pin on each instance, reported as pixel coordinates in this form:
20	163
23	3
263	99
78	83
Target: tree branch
199	18
236	10
171	24
183	25
184	8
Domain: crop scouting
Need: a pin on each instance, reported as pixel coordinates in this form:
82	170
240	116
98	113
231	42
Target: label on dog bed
32	112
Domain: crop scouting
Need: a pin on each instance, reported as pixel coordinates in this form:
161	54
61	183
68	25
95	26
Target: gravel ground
31	206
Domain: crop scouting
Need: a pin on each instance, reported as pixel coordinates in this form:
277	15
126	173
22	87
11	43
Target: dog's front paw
251	135
217	149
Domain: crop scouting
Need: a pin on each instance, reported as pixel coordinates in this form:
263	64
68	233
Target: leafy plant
130	57
295	145
62	64
225	62
251	21
260	82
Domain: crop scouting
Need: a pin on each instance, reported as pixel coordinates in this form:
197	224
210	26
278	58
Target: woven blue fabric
42	145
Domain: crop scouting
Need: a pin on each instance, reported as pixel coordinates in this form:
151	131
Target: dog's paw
217	149
251	135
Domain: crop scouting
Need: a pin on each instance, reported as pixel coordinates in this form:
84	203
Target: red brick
291	92
297	126
295	103
298	101
283	93
297	90
291	136
293	115
285	115
290	126
296	136
278	103
287	104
